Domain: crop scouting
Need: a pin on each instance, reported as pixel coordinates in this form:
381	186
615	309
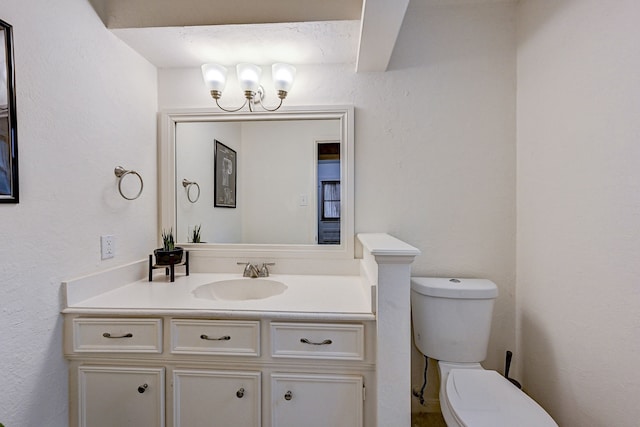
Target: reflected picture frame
9	188
225	171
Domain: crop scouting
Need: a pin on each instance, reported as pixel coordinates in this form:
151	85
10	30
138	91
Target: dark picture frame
8	121
225	171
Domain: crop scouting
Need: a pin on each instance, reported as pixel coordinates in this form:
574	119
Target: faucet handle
264	271
250	270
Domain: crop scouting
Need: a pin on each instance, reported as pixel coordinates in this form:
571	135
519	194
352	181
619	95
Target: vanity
325	340
326	351
154	354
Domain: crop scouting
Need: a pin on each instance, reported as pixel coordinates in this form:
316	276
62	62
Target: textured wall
86	103
579	208
435	143
434	165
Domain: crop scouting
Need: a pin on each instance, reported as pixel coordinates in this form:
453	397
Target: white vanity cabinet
108	394
118	396
188	372
216	397
316	400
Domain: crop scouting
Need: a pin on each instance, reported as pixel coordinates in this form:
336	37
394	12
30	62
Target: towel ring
187	186
121	173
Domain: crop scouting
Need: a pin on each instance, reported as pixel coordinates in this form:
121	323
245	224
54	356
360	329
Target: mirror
259	181
8	122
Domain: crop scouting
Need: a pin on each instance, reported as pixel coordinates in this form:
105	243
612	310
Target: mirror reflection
271	181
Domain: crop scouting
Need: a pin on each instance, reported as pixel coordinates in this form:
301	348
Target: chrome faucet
252	271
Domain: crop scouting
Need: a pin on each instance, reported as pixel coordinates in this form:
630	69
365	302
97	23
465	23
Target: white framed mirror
270	183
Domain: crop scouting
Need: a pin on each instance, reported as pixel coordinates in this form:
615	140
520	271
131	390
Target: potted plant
195	234
169	253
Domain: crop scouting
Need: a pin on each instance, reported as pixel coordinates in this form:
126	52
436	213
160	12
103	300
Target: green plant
168	243
195	234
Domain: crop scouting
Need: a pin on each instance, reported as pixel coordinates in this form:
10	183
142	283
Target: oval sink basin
240	289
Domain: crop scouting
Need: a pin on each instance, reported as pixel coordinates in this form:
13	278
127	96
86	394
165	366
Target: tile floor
427	419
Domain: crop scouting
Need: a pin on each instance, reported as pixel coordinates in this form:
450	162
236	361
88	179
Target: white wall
579	208
86	103
435	167
435	143
435	163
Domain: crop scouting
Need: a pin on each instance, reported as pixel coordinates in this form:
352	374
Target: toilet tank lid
454	288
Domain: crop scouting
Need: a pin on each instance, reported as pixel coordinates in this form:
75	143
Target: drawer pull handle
108	335
207	337
240	393
306	341
143	388
288	395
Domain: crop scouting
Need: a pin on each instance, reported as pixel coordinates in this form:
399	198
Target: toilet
451	324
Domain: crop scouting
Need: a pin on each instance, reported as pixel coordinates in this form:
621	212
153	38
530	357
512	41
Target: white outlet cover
107	246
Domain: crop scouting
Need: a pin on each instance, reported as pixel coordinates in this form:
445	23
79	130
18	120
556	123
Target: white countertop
314	297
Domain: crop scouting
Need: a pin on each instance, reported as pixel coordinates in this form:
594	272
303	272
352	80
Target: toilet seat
479	398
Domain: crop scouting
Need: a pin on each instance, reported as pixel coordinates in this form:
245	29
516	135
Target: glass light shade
249	77
283	76
215	76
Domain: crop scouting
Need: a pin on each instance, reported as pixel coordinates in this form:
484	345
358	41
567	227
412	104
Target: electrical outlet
107	246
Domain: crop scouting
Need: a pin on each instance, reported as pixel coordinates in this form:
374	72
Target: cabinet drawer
317	341
117	335
229	338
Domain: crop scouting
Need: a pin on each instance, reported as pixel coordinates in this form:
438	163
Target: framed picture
8	121
225	166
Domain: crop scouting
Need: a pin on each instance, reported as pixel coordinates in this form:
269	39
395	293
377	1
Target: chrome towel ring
187	186
121	173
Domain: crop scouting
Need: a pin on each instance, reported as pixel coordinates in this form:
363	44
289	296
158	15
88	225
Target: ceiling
295	43
188	33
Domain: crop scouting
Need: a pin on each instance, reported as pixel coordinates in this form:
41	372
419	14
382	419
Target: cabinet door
120	396
207	398
316	400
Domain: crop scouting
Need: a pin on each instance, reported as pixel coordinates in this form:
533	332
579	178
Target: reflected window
331	200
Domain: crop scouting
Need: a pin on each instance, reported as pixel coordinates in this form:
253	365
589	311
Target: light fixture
215	78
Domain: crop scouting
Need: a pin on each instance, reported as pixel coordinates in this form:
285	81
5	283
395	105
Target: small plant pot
168	257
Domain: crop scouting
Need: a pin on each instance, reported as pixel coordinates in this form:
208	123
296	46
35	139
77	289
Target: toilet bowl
451	323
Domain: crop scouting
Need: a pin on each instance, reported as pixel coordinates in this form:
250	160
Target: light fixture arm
273	109
231	111
217	95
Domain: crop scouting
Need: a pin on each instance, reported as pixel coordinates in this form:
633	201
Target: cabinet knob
288	395
143	388
240	393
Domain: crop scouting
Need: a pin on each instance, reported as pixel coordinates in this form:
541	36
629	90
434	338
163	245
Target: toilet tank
452	317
